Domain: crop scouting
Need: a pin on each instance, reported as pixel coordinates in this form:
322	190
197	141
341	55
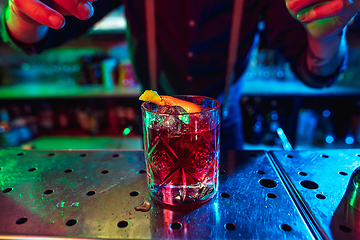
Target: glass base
184	196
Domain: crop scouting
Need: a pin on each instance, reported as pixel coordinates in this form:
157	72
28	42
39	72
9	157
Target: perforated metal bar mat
92	194
320	179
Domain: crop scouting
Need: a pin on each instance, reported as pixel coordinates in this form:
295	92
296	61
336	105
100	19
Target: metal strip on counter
303	208
92	194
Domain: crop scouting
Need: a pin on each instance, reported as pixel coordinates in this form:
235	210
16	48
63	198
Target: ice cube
173	123
173	118
171	109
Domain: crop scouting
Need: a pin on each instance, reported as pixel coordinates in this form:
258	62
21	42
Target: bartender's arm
28	21
325	24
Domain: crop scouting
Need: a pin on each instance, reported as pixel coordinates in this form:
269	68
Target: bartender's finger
296	5
37	12
79	8
320	11
56	7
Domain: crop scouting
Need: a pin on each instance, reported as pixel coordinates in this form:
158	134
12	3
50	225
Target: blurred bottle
253	120
13	130
91	66
325	134
63	120
109	72
306	127
127	78
4	121
31	119
5	136
46	117
88	120
272	124
257	129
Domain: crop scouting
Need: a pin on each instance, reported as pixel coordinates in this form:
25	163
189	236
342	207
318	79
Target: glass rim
191	96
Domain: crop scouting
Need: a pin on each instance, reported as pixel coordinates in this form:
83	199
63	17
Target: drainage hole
91	193
286	227
83	155
32	169
271	195
309	184
134	193
71	222
69	170
48	191
345	228
230	226
303	173
21	154
21	220
122	224
268	183
142	171
7	190
51	154
343	173
225	195
261	172
289	156
105	171
176	225
324	156
116	155
320	196
222	172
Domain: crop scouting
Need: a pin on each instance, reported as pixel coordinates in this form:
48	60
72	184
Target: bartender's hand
325	23
28	20
323	19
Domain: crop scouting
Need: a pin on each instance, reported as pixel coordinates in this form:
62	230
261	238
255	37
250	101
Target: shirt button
190	54
189	78
191	23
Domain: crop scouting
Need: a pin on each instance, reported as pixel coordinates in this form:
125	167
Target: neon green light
126	131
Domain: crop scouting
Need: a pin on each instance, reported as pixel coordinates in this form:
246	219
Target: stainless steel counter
319	181
93	194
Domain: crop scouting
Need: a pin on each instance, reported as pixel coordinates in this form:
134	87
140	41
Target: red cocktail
182	151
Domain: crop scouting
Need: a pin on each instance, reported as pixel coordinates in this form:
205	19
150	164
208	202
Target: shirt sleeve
73	28
286	34
311	80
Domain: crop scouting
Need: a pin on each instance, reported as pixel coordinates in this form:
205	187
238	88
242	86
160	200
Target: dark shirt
192	41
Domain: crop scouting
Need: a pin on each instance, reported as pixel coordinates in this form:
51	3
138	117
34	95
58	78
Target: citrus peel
154	97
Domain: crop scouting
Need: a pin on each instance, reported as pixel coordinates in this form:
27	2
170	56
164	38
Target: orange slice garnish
153	96
189	107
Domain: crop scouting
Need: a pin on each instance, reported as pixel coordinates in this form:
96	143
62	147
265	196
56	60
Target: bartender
198	47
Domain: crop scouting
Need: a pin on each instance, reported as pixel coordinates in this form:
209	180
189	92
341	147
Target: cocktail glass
182	151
